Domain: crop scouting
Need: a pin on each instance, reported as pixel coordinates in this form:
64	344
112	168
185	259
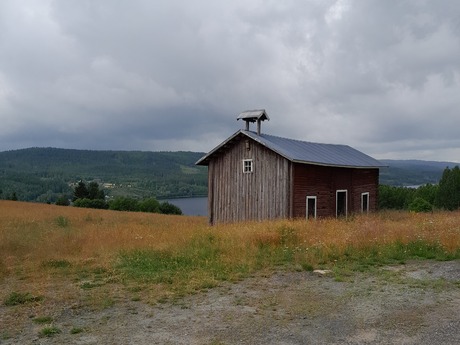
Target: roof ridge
307	152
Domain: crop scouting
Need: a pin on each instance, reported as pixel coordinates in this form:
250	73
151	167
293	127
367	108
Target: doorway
341	203
365	202
311	207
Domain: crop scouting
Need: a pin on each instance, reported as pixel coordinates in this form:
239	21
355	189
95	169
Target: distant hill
412	172
42	174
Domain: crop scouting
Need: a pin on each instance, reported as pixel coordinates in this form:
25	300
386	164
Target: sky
151	75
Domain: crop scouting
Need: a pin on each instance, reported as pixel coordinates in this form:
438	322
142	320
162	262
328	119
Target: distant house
255	176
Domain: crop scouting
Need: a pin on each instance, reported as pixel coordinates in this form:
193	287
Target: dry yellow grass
33	233
33	236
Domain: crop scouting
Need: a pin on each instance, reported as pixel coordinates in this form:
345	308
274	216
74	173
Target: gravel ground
415	303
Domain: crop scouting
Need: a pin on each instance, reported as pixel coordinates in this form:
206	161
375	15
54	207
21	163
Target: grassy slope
54	257
183	253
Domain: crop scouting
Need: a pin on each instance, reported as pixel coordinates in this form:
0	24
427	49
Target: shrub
420	205
123	203
89	203
62	201
149	205
167	208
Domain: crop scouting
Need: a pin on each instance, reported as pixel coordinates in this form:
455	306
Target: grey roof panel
315	153
306	152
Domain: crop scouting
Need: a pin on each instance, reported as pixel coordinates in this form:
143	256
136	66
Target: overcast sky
381	76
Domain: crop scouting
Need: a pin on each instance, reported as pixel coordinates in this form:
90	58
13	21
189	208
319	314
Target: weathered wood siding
238	196
323	182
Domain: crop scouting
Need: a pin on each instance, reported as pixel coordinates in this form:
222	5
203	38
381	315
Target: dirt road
415	303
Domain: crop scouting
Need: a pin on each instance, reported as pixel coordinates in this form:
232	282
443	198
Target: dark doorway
341	210
365	202
311	207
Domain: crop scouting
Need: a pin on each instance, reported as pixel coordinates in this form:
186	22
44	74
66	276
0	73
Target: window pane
247	165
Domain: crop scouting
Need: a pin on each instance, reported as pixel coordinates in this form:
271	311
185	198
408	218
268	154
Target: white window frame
249	168
362	202
316	205
337	202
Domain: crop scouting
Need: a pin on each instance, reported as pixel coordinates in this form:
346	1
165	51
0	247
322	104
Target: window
247	166
365	202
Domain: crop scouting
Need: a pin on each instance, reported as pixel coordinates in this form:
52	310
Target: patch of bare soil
415	303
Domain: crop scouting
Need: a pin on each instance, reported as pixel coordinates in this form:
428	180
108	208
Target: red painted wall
323	182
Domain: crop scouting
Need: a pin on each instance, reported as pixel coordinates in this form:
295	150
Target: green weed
76	330
90	285
49	331
58	264
106	302
17	298
200	261
43	319
62	222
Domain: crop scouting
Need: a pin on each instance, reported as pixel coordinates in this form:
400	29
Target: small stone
322	272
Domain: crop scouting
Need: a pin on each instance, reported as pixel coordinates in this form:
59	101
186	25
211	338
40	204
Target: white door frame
362	202
337	201
306	211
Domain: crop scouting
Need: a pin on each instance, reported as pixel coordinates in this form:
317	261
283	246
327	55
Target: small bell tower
258	115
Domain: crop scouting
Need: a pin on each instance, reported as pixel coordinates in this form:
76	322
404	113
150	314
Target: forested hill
412	172
43	174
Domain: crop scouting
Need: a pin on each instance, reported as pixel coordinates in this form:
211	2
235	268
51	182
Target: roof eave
340	165
205	159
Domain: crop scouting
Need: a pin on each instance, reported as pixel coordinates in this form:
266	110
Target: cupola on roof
253	115
258	115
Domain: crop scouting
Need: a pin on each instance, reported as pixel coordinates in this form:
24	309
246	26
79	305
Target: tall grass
179	253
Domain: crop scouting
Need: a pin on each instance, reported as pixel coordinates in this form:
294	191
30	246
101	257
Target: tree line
43	174
92	196
444	196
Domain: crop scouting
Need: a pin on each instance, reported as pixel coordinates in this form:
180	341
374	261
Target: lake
191	206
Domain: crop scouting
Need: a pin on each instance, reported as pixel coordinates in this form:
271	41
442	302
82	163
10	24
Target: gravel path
416	303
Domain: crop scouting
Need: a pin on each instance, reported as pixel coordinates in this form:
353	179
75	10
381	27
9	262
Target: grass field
66	251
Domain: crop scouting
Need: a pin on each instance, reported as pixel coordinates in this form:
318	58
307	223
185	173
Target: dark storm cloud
381	76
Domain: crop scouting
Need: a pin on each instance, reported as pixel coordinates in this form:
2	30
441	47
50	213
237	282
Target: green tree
427	192
398	198
80	191
448	196
94	192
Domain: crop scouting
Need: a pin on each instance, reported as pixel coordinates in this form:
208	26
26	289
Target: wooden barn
256	176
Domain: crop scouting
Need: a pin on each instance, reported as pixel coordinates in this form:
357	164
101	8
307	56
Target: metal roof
253	115
306	152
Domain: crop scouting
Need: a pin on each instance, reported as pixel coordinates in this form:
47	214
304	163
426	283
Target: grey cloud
382	76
